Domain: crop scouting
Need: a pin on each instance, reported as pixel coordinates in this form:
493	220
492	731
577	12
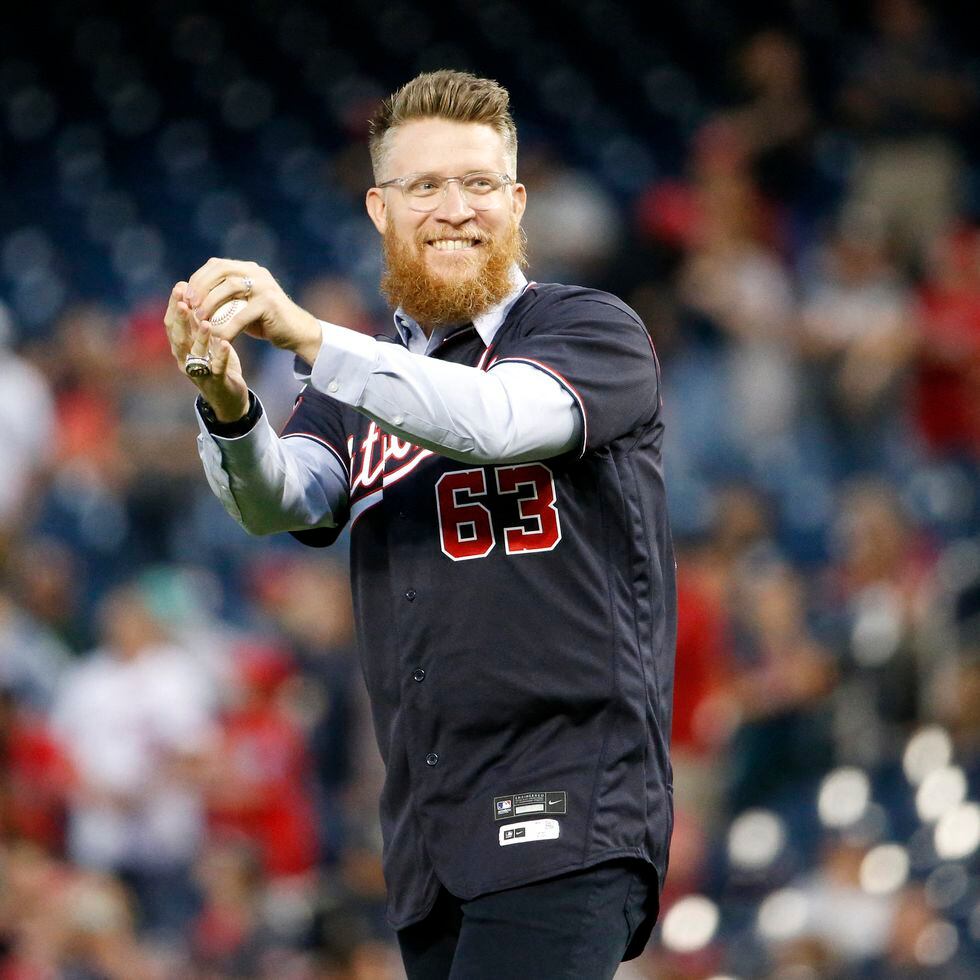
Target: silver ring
247	283
198	367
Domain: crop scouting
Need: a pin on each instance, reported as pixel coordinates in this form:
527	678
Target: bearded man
499	468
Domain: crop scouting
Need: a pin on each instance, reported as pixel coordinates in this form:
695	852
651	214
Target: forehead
444	147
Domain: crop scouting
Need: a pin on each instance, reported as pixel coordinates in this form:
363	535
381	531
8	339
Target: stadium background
787	192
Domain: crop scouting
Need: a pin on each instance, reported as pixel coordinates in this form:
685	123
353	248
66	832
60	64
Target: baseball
226	311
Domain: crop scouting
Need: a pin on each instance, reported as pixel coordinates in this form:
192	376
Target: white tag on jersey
529	830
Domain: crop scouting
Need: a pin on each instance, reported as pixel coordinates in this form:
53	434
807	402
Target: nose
454	207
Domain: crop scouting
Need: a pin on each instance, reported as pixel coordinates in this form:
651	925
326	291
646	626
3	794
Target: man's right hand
225	389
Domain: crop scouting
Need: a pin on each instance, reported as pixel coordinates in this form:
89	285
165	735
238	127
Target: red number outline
474	484
539	477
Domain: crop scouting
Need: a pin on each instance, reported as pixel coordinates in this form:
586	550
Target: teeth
452	244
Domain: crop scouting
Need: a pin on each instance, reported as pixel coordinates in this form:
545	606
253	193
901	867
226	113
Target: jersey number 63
466	525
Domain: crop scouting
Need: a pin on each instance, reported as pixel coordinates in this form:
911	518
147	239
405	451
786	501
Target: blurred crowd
188	777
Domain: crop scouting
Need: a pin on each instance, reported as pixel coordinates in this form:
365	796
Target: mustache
457	234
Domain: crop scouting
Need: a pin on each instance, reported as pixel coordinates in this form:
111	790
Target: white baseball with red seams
226	311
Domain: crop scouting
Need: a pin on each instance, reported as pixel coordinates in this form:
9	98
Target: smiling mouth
453	244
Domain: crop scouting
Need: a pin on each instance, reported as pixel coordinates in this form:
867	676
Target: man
513	577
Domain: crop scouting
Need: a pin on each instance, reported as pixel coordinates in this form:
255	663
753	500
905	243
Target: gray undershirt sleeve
511	413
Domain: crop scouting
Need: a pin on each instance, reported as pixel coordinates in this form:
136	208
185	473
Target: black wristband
230	430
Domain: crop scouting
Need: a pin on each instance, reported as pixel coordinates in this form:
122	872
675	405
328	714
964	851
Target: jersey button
410	595
432	759
418	674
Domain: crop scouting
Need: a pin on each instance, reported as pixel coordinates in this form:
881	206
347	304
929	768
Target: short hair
446	94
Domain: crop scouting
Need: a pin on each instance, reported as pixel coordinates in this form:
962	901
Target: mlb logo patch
503	805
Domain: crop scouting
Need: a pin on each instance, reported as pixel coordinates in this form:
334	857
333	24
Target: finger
220	352
173	319
202	340
213	272
176	296
233	287
181	331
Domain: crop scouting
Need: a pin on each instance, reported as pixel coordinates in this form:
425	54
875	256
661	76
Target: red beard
433	301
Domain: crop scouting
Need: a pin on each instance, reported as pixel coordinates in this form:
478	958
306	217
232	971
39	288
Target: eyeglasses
425	192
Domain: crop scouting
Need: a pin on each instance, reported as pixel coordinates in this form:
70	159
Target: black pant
578	926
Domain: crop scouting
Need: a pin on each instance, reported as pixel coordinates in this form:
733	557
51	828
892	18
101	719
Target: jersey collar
486	324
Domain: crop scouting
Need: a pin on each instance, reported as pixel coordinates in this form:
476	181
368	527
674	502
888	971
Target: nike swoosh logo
553	802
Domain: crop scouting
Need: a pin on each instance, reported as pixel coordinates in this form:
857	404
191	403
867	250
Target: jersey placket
418	645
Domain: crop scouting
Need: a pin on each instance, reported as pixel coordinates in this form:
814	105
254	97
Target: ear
520	200
377	209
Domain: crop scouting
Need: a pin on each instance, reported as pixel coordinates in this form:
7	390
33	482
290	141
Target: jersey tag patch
528	831
520	804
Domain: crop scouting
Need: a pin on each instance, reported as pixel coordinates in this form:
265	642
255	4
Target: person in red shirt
947	393
34	778
260	785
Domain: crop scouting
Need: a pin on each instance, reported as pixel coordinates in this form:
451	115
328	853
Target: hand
269	313
225	389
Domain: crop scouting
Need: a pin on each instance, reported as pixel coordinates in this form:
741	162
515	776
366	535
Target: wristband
230	430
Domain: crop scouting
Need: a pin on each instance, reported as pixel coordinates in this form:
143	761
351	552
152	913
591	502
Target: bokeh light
884	869
843	798
690	924
755	839
940	791
958	832
783	915
928	749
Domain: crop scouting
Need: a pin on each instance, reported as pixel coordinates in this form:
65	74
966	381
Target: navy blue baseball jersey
516	621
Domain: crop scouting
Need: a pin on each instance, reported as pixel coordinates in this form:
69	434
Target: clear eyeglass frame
426	192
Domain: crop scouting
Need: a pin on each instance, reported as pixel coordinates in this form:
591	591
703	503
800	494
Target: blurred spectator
947	394
852	925
59	921
571	222
84	507
157	434
135	718
782	677
717	200
32	658
310	604
905	96
227	937
35	777
26	429
32	936
957	699
46	581
734	279
704	712
859	339
259	789
776	124
879	593
100	937
85	378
